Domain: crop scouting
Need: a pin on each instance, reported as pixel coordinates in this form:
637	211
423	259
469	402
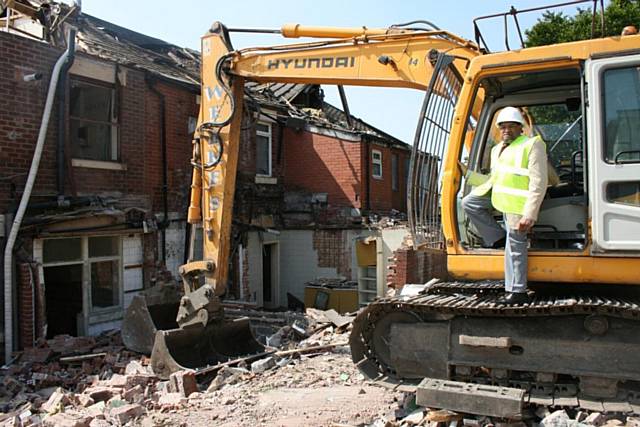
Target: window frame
86	261
269	136
114	118
603	112
375	162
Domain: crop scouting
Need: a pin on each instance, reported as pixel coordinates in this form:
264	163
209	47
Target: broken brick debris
183	382
109	385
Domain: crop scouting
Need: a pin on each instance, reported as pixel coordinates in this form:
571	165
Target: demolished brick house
107	216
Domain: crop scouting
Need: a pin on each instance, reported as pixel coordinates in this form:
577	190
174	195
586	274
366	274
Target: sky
394	111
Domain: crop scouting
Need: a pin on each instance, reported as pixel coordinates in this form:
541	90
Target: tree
556	27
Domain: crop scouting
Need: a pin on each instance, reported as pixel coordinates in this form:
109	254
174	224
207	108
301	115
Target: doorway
63	299
270	279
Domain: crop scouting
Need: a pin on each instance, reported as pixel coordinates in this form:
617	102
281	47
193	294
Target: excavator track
399	340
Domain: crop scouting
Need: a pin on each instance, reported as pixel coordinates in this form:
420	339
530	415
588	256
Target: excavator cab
552	105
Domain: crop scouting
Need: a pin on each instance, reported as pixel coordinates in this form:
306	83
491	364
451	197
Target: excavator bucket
193	348
143	318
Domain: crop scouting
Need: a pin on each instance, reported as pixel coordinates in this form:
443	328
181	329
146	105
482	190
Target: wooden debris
71	359
443	416
312	349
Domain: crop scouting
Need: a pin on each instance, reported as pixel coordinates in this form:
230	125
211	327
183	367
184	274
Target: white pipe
17	221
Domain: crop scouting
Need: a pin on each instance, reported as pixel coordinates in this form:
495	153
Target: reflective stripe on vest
510	176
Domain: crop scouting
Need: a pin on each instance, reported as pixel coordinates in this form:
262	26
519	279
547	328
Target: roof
111	42
284	95
123	46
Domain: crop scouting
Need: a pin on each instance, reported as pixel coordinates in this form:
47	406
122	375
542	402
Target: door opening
63	297
270	287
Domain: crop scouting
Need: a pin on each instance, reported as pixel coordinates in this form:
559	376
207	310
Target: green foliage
556	27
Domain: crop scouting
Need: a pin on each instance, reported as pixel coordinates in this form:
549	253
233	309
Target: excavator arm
357	56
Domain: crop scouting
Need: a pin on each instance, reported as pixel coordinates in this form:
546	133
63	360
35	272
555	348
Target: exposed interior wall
304	255
417	266
175	241
392	240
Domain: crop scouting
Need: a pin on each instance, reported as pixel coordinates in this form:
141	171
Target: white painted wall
175	235
298	261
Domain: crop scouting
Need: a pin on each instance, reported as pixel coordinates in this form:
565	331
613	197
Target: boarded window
93	121
376	164
263	149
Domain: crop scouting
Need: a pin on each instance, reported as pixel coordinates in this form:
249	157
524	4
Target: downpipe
62	113
31	178
163	147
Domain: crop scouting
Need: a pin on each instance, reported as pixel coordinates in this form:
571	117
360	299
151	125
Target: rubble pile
305	377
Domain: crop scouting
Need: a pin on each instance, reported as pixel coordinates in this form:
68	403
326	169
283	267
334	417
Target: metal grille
425	170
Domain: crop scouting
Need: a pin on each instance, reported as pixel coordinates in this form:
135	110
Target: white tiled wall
132	259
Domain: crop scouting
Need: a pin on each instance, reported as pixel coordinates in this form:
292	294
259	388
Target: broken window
93	121
263	149
376	163
105	260
80	271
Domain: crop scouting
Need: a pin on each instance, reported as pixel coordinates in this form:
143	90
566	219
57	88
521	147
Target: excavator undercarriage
567	350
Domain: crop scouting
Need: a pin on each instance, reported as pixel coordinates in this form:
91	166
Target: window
104	256
376	164
624	193
622	115
93	121
394	172
263	149
99	260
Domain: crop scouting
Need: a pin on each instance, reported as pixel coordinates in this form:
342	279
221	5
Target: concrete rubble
308	378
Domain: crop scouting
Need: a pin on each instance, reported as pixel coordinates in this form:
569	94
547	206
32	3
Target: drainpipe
367	174
62	112
31	178
163	145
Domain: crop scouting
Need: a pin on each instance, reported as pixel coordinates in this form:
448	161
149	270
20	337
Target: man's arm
538	179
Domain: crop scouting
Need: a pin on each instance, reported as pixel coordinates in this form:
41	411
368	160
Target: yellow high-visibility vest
509	180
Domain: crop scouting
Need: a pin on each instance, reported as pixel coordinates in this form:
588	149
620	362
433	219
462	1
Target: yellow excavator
575	344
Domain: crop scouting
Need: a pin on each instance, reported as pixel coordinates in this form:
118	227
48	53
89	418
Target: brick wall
180	104
382	196
31	309
139	136
21	114
416	266
333	251
323	164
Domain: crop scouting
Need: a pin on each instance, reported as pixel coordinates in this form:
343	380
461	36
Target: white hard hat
510	114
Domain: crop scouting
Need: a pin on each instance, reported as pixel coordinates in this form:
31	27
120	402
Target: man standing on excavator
516	187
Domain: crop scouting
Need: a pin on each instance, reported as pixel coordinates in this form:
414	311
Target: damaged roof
295	98
120	45
114	43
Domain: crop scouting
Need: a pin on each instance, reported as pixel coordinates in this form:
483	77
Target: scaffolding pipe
24	201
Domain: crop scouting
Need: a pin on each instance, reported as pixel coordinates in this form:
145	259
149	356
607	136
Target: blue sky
395	111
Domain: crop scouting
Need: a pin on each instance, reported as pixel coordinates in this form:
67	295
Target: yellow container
342	300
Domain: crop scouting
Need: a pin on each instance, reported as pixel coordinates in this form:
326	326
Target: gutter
163	144
24	201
